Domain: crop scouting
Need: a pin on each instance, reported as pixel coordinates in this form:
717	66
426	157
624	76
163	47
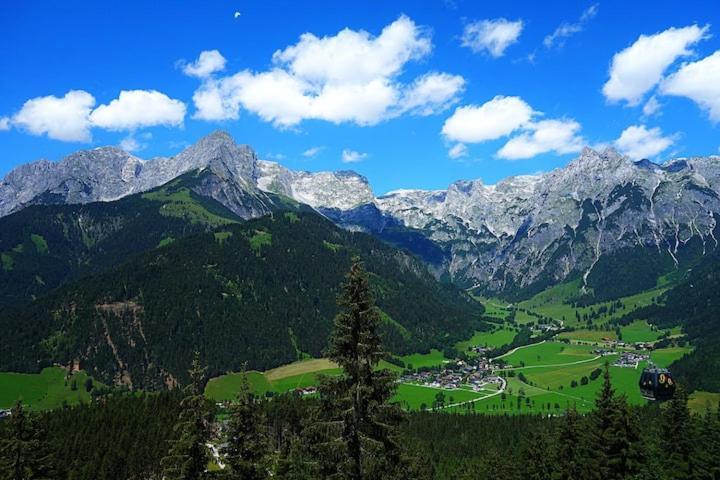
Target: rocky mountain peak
219	152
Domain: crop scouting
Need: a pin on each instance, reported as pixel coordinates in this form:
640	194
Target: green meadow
553	303
46	390
491	339
418	360
548	353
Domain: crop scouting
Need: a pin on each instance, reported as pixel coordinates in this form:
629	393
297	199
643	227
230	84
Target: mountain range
515	237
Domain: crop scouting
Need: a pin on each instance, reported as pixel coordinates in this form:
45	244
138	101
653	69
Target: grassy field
640	331
413	397
549	353
553	384
300	374
665	356
495	338
494	307
593	336
699	401
417	360
551	303
42	391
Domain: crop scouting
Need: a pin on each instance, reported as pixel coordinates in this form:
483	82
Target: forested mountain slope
42	247
695	304
261	292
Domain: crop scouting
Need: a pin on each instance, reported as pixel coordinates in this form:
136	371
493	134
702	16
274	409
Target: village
474	373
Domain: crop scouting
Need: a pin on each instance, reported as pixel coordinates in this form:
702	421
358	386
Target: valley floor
544	377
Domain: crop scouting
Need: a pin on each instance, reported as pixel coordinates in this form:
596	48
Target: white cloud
699	81
139	108
559	136
349	77
651	107
494	119
63	118
565	30
351	156
313	151
71	117
493	36
432	93
638	68
352	56
458	150
638	142
209	62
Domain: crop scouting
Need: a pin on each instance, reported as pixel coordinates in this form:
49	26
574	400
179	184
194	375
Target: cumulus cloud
135	109
312	152
559	136
566	30
698	81
638	142
432	93
61	118
491	36
638	68
71	118
352	76
494	119
504	116
209	62
351	156
458	150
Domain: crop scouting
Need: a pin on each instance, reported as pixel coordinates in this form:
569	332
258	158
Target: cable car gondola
656	383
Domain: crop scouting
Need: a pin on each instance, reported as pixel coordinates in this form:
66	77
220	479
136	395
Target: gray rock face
563	221
108	173
342	190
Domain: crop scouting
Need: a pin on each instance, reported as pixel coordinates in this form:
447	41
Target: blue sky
410	94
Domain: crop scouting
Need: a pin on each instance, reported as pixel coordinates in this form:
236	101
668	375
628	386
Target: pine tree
568	453
706	458
188	456
356	417
626	450
246	442
613	442
678	439
537	465
24	454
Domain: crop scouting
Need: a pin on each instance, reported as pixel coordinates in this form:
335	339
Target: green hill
43	247
262	292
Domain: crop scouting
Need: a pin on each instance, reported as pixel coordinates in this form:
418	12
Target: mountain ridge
519	234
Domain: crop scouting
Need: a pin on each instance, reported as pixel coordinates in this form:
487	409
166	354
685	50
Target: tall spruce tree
247	445
537	464
706	458
24	454
613	442
357	421
188	456
568	452
678	439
